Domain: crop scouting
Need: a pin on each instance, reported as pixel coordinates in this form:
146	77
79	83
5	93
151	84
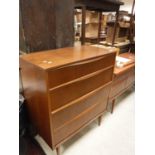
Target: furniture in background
123	79
122	31
49	25
125	32
66	89
98	6
95	26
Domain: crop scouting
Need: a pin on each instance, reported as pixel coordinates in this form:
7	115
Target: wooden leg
99	120
58	150
112	107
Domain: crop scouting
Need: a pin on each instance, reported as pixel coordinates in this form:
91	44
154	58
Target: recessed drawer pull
86	61
82	62
82	78
78	69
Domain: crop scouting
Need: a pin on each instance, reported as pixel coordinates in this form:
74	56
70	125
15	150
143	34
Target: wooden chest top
59	57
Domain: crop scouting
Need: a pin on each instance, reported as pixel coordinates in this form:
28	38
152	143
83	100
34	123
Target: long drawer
67	93
119	83
76	70
78	122
68	113
131	77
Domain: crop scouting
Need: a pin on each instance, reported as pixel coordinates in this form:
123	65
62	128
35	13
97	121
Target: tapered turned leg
58	150
99	120
112	106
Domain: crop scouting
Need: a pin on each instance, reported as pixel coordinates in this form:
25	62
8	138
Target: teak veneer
124	78
66	89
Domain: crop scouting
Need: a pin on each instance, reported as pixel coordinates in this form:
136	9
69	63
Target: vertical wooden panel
47	24
99	26
115	27
38	23
64	13
35	87
22	45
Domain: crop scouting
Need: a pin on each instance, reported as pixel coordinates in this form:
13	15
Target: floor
115	136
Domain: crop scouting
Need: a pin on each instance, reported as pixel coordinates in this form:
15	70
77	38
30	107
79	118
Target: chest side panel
36	94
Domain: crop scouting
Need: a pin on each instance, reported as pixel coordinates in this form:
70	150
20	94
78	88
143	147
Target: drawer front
67	93
131	78
118	85
70	72
67	114
73	126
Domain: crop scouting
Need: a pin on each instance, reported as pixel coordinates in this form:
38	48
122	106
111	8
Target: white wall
127	5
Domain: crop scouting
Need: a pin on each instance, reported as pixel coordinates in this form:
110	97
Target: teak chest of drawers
66	89
123	79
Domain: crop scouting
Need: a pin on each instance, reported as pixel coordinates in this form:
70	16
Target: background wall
127	5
